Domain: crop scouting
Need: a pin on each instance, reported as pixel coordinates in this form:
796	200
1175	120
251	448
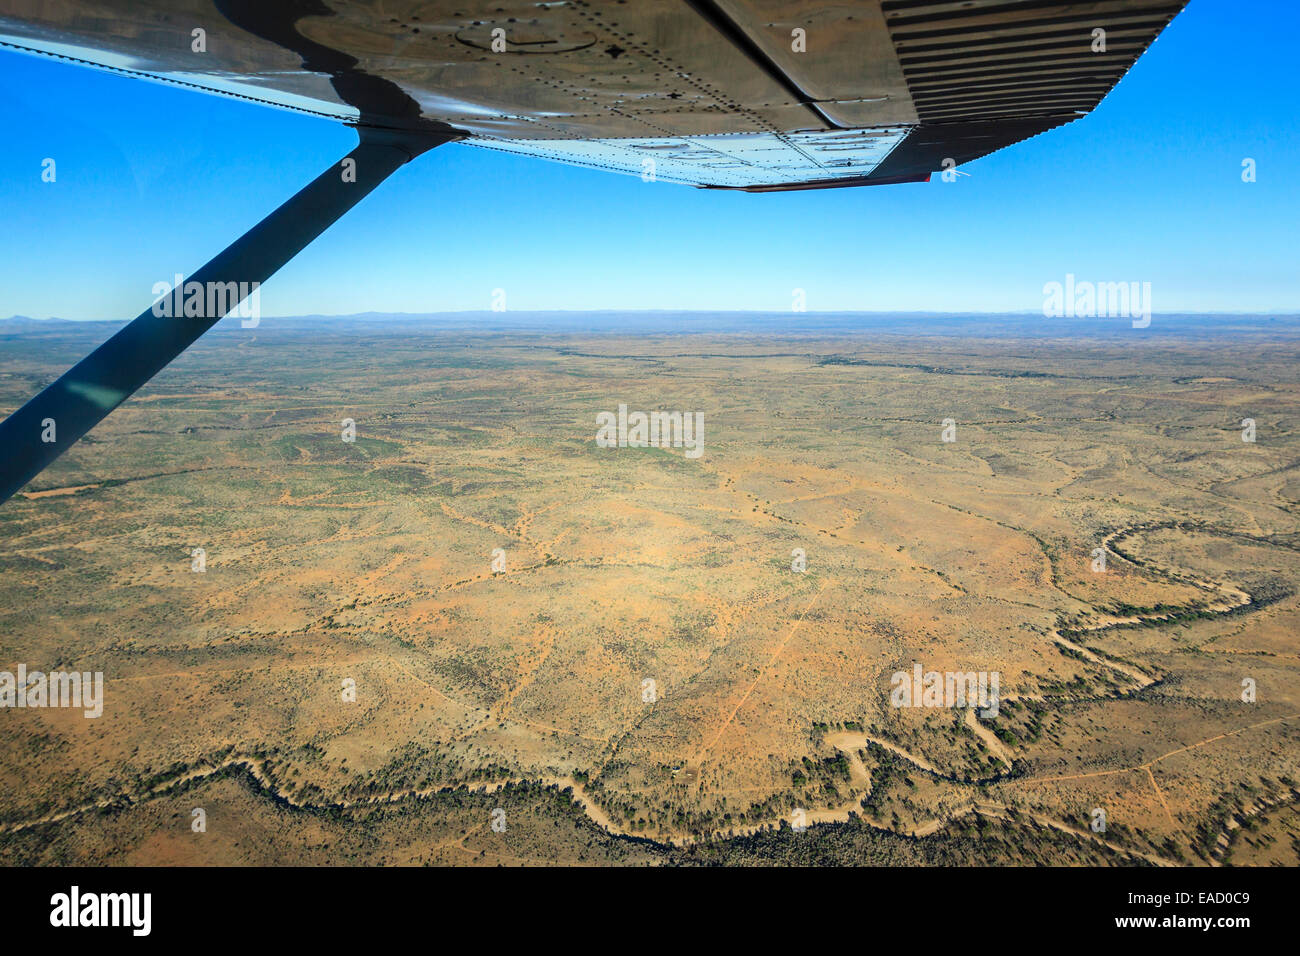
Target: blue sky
154	180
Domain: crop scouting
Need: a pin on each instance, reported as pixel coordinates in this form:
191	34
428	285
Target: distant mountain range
643	322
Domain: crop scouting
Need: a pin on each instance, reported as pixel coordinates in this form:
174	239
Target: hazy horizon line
1035	313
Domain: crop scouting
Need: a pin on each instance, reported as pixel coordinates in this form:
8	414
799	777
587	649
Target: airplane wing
736	94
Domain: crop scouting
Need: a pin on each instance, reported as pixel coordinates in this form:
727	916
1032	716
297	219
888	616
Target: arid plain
645	677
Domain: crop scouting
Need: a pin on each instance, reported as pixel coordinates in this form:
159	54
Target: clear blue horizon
152	180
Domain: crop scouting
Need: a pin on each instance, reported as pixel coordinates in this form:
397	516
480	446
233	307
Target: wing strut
106	377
